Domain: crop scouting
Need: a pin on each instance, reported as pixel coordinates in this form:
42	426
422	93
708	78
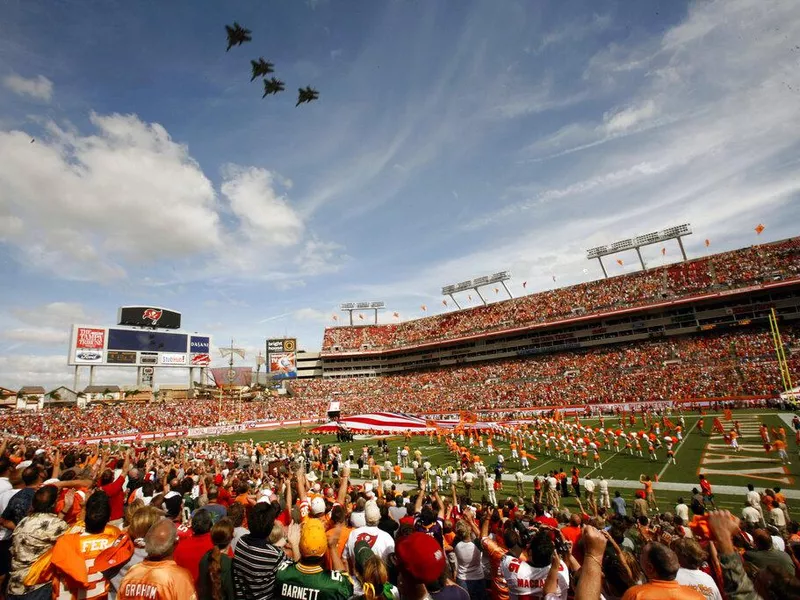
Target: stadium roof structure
349	307
475	284
635	243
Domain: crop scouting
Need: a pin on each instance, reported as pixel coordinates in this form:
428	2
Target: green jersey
302	582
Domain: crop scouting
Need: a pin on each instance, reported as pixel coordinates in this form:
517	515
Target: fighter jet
237	35
272	86
306	94
261	68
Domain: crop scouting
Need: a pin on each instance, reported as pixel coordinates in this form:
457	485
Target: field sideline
697	453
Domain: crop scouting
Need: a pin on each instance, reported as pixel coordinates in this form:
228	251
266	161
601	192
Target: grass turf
705	450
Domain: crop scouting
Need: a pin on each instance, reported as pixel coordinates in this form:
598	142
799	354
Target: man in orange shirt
660	565
75	575
158	577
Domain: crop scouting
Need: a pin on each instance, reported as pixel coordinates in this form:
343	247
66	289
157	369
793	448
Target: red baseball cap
218	479
420	556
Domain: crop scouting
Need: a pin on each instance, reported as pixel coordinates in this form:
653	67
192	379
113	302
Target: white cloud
53	314
127	193
105	205
36	335
266	217
312	314
39	87
629	117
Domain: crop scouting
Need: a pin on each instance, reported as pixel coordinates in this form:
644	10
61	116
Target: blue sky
450	140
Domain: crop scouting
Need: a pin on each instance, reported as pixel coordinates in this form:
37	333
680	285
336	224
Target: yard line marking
613	454
678	449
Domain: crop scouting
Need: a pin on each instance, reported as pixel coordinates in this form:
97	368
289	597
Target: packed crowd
706	365
729	270
210	521
711	365
63	423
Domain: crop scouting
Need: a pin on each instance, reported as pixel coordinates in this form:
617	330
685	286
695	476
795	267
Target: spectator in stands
661	566
255	560
191	549
76	574
215	580
158	576
34	536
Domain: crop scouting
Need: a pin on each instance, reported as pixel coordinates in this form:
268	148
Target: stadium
700	336
241	358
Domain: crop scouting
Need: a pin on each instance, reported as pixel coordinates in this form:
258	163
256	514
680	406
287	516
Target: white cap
39	451
317	506
372	513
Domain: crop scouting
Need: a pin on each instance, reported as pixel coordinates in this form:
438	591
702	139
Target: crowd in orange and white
60	423
736	269
208	520
740	363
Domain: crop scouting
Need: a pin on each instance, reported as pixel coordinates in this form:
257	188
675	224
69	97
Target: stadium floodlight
474	284
639	241
349	307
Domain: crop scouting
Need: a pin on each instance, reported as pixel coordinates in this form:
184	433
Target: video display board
282	358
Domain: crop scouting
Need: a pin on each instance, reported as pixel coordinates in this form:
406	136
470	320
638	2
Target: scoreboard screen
146	341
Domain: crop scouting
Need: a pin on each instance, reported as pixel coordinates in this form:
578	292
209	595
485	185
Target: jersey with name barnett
304	582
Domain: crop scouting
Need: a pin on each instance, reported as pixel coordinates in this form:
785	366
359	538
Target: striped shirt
255	565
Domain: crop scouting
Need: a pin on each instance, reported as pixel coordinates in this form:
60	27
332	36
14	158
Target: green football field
699	452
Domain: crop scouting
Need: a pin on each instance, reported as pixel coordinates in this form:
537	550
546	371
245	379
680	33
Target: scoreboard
121	346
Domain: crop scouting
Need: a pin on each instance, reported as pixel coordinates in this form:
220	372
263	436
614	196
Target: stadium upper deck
730	271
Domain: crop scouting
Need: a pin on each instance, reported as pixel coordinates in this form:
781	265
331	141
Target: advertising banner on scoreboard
282	358
201	360
199	345
283	365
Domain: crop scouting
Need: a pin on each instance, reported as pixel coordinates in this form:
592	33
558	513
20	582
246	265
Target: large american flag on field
388	422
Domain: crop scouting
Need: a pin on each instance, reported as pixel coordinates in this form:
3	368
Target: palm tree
273	86
306	94
237	35
261	68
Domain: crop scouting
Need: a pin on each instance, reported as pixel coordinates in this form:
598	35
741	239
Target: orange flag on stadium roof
663	252
469	297
444	302
496	290
759	228
619	262
424	308
335	317
360	317
708	243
